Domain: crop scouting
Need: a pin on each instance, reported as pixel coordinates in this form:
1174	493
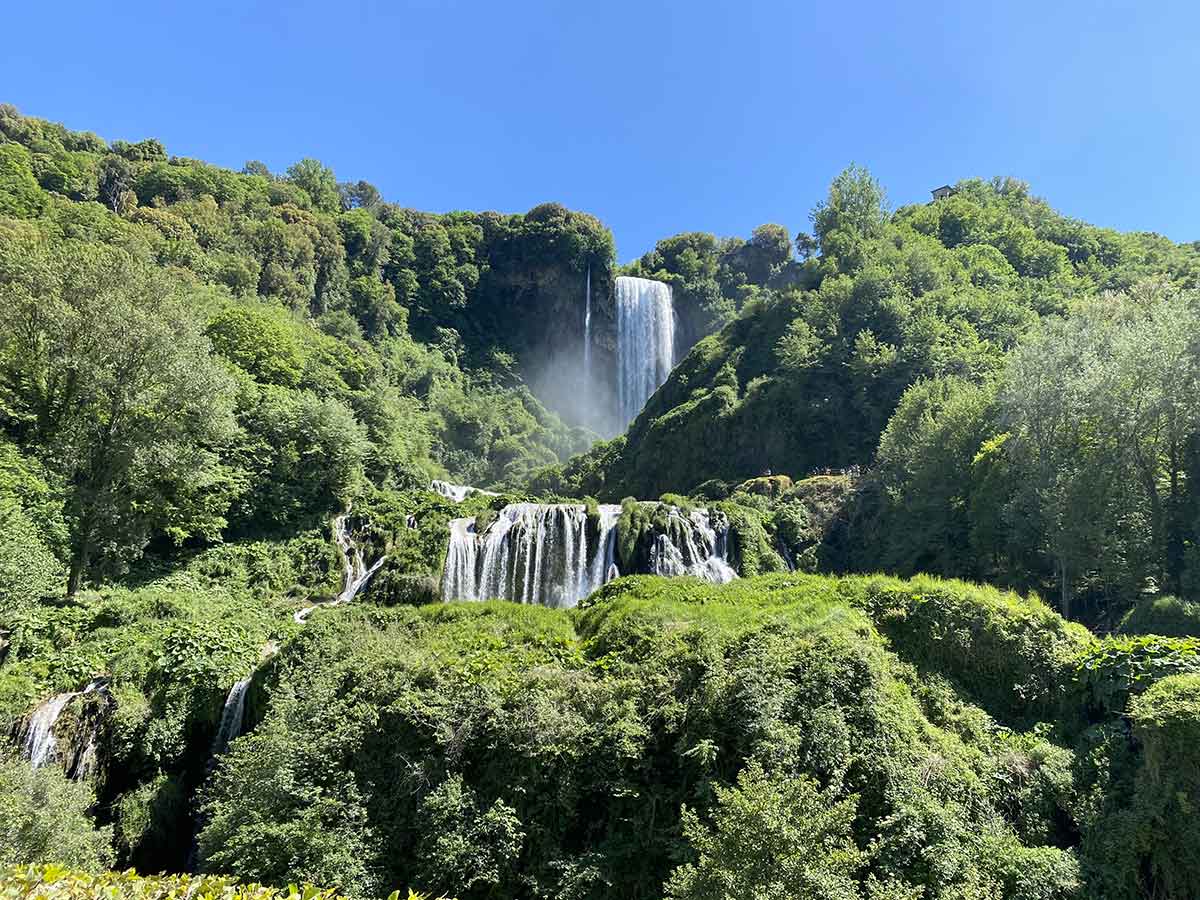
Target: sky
657	117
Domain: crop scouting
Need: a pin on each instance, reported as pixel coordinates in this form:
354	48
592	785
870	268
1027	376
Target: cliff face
542	309
509	295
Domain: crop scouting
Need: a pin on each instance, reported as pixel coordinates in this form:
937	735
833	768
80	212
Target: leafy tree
19	191
853	212
464	846
771	838
44	819
259	342
360	195
104	367
318	182
114	181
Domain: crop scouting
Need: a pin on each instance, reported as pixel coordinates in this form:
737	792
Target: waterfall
39	737
355	573
231	717
532	553
693	545
40	745
587	328
645	342
549	554
457	492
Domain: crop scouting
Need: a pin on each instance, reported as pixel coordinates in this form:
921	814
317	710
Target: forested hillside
1012	392
759	653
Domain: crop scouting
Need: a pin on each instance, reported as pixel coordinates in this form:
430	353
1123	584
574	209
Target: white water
700	550
645	342
232	717
532	553
541	553
457	492
587	328
40	745
355	573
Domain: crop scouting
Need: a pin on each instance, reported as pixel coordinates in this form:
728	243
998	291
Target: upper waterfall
645	342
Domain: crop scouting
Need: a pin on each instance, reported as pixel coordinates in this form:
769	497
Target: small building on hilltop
940	193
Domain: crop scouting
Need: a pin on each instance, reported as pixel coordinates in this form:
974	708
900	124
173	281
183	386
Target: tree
924	463
1102	408
43	819
105	368
854	209
19	191
318	182
115	178
360	195
767	251
771	838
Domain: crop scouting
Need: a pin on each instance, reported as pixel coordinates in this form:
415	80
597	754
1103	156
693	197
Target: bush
1162	615
57	883
44	818
1166	719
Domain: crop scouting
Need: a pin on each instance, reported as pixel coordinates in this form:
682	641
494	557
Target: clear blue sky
657	117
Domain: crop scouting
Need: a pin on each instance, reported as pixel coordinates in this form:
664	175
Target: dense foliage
215	338
57	883
200	368
808	374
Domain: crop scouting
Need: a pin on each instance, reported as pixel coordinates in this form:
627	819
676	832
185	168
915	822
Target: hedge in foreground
57	883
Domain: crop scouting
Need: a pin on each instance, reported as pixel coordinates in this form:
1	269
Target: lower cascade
232	717
40	744
355	573
532	553
554	555
692	546
645	342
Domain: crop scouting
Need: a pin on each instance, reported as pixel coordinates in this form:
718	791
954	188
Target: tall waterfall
587	327
645	342
532	553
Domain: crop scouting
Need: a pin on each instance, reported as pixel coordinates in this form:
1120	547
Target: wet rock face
68	730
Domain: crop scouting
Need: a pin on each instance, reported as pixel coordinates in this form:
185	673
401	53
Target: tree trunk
79	563
1064	593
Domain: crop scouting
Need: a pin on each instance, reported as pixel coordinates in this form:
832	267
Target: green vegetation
200	369
924	305
57	883
43	818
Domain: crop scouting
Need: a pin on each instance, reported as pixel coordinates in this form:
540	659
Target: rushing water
40	745
457	492
692	546
232	717
551	555
587	327
355	573
532	553
645	342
